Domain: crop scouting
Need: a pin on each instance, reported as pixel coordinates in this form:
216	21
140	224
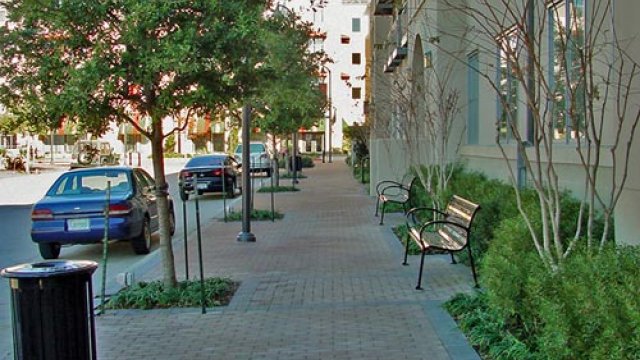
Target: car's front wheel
141	244
49	251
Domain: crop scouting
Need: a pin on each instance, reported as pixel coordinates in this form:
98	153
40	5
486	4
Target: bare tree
564	64
425	115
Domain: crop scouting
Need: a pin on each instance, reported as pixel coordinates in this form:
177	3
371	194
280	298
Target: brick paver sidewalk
323	283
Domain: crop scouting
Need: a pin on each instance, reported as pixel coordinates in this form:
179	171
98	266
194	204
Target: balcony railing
383	7
399	38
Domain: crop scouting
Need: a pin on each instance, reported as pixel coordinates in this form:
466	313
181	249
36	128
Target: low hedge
307	162
589	308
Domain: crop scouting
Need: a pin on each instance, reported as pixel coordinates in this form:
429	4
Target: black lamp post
323	74
246	235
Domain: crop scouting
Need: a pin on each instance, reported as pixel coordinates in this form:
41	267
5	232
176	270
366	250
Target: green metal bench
446	230
398	192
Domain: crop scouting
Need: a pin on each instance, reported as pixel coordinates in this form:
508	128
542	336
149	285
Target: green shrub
143	295
258	215
510	263
307	162
587	309
590	309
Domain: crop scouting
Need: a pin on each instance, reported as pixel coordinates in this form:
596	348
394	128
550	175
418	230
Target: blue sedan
73	210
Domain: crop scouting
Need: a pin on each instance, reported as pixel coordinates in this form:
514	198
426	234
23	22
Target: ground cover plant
485	330
306	160
281	188
155	295
258	215
290	176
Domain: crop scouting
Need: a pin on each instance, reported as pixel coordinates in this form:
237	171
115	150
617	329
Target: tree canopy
95	62
290	99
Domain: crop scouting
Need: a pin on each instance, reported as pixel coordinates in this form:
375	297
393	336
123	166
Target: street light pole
328	125
246	235
330	135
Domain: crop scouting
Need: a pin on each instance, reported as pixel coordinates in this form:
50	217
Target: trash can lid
49	268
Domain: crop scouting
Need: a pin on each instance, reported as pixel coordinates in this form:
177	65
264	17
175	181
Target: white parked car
260	157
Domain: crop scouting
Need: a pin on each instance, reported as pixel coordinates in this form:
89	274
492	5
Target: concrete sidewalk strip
325	282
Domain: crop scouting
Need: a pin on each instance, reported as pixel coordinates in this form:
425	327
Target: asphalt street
16	246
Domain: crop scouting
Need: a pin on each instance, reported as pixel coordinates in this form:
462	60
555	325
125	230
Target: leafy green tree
108	61
291	98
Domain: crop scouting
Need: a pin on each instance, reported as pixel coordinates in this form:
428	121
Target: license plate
78	225
202	186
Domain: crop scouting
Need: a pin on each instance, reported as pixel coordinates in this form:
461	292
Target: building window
356	93
566	77
355	25
473	88
355	58
428	62
344	39
507	60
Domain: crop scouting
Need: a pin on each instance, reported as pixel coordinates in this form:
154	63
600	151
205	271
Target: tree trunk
276	167
166	248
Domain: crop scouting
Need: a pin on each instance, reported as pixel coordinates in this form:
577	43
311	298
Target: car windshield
253	148
90	182
205	161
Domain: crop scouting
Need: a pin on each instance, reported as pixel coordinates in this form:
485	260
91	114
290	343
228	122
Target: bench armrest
411	214
398	189
381	185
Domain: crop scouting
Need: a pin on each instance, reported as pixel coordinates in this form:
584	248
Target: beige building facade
451	79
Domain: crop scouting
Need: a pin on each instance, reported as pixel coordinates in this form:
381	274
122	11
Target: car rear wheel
49	251
268	172
172	222
231	189
183	195
142	243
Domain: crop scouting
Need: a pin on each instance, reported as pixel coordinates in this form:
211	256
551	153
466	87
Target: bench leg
382	214
419	287
377	205
473	267
406	249
453	260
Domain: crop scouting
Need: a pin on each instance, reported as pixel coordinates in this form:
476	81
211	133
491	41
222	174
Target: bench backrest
460	211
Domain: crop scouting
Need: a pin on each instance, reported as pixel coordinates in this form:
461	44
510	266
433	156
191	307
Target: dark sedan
73	210
209	173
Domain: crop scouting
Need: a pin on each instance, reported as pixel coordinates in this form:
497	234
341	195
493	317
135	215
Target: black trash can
298	163
52	310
